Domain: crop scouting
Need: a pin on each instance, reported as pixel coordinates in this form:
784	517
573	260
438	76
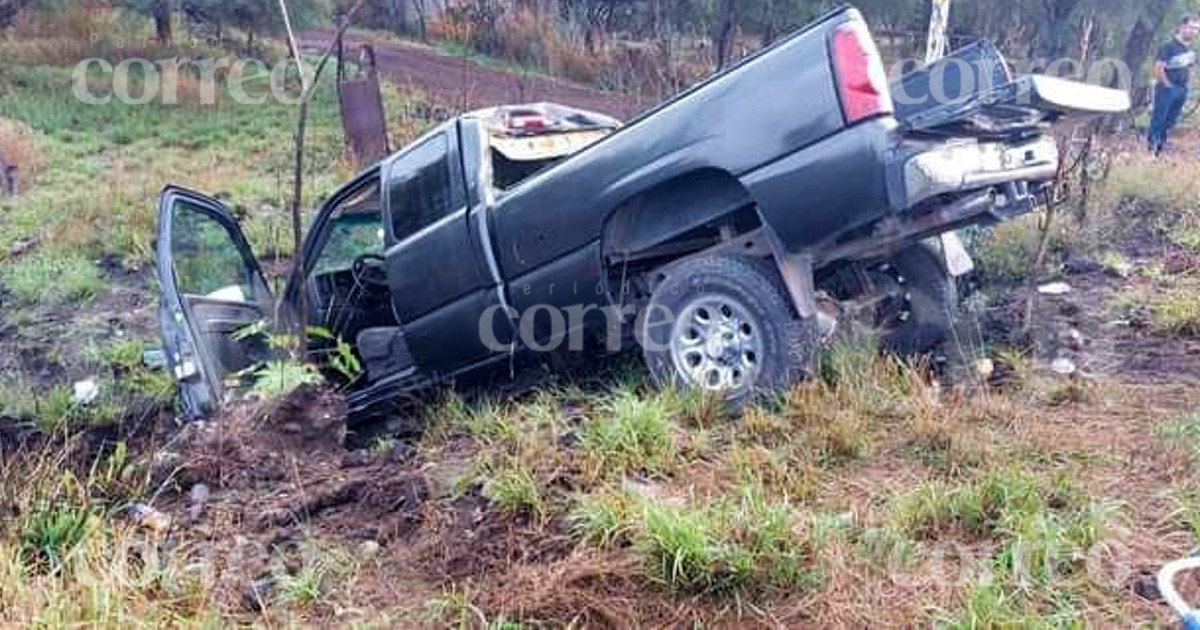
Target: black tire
932	300
754	293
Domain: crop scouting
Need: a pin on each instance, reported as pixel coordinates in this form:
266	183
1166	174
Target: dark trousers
1168	105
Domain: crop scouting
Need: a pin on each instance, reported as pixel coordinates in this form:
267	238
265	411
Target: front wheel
724	324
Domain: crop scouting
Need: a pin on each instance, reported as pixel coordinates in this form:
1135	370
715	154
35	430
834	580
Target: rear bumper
926	170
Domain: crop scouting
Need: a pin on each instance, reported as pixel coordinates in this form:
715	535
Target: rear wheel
908	301
724	324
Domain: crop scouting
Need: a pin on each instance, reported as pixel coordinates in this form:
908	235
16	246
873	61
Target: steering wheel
368	271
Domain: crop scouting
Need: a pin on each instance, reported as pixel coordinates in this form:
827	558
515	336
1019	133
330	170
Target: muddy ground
1085	325
466	85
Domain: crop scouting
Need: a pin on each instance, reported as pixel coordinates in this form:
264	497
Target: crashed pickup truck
729	231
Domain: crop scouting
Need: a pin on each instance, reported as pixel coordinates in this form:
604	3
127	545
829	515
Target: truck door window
419	188
207	261
355	229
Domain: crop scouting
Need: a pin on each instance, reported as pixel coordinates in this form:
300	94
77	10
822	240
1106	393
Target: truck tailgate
971	93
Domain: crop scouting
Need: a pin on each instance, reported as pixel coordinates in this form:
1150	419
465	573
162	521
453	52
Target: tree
160	11
254	16
9	9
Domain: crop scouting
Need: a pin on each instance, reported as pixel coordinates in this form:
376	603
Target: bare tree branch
309	89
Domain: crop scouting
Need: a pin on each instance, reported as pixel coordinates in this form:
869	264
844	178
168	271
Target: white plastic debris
1055	288
86	392
1063	366
149	518
984	367
1075	340
197	501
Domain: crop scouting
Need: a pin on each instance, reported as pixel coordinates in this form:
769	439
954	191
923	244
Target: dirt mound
269	479
283	466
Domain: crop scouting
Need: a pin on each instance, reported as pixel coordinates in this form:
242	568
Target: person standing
1172	70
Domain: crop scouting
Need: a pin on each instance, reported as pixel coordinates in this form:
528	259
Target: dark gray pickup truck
728	231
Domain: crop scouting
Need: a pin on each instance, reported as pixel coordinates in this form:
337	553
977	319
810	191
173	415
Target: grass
310	583
727	546
1176	313
1185	231
633	435
814	502
604	519
1182	434
52	277
514	489
1006	253
52	531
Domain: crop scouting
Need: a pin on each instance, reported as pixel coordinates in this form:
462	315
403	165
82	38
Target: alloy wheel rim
716	345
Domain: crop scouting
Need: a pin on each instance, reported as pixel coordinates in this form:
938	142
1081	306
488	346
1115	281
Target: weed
456	609
887	548
785	470
340	357
1007	252
632	435
725	547
696	408
942	440
860	382
383	445
1116	263
842	439
681	548
1182	434
1142	178
977	507
275	379
992	606
310	583
453	415
514	489
1176	313
1186	231
604	520
56	525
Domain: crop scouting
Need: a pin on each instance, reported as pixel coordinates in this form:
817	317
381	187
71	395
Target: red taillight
527	122
861	79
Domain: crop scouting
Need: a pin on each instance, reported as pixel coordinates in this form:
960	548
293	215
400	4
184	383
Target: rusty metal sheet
363	118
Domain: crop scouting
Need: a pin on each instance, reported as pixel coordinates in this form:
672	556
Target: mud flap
953	253
797	273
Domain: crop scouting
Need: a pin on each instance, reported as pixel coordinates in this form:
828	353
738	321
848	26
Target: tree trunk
770	23
1054	42
398	12
162	22
1140	45
421	23
723	33
656	19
